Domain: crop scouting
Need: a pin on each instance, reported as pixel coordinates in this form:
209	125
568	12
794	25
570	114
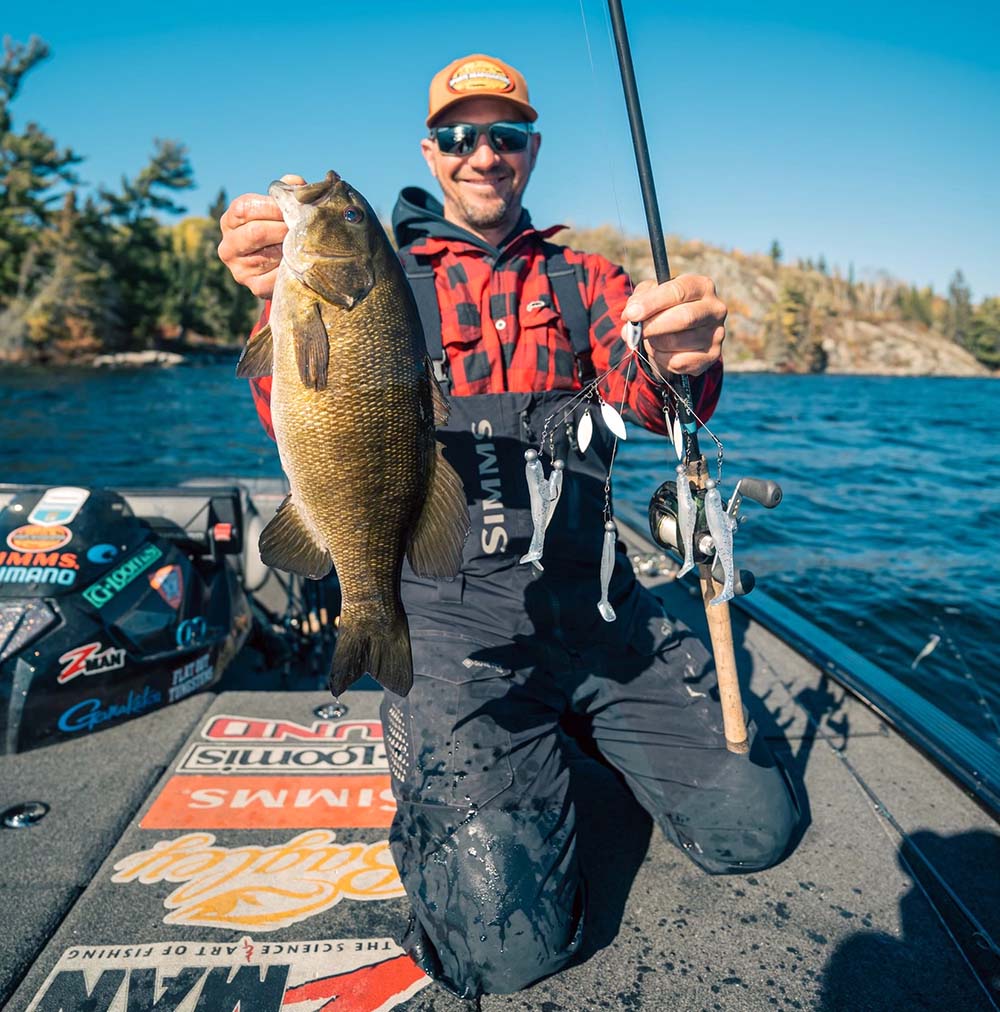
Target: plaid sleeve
260	386
606	290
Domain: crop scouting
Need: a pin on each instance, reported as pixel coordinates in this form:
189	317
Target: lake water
887	535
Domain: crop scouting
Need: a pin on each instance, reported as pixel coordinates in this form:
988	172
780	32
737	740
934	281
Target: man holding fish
505	657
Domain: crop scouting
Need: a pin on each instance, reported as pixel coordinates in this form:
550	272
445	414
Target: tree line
81	274
86	272
810	294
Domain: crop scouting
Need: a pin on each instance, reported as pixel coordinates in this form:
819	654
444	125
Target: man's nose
483	156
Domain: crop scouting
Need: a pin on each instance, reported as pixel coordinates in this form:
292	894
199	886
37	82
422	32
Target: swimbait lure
607	566
543	495
686	516
720	526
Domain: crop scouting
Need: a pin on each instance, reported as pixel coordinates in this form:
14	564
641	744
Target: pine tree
959	312
775	252
130	240
984	333
31	167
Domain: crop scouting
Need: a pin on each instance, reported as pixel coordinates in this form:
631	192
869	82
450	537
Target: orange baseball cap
478	76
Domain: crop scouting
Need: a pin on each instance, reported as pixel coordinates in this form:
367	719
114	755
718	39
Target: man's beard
490	215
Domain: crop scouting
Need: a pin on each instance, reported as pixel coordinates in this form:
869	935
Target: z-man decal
346	974
86	660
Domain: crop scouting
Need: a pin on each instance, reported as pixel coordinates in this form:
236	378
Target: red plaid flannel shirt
501	333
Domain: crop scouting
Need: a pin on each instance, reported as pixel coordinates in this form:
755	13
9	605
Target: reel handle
743	580
761	490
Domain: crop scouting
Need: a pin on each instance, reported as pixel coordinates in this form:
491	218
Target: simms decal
261	888
288	802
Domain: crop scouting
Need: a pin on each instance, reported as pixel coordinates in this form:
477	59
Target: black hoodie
417	215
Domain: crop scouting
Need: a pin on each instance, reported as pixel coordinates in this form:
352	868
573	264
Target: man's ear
536	143
428	149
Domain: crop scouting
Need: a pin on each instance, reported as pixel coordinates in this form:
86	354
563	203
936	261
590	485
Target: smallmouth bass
354	407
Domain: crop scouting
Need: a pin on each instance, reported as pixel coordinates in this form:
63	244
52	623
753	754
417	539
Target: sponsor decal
224	727
322	975
58	506
91	713
190	677
39	567
258	888
493	537
38	538
99	593
168	582
254	745
89	659
349	757
193	631
479	75
101	555
289	802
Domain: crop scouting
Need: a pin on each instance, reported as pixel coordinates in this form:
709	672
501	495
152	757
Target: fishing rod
692	521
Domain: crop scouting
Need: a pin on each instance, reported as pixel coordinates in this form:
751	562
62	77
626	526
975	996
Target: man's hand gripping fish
354	407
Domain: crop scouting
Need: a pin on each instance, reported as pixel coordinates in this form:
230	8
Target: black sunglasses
462	138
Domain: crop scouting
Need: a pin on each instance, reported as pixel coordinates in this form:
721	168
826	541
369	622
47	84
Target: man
484	835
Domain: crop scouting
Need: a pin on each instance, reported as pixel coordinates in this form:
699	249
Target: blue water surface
887	535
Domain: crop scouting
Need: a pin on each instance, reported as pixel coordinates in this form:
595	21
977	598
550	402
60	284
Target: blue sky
866	133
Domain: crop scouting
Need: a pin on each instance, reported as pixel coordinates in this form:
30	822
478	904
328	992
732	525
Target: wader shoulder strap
565	279
420	274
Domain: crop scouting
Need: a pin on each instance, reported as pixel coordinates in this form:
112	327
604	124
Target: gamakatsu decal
345	974
261	888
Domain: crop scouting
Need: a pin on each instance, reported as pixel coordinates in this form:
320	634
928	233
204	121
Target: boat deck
213	899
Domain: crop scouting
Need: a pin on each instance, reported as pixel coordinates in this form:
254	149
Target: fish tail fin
369	645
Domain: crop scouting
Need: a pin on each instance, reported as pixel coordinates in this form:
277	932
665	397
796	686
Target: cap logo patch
479	75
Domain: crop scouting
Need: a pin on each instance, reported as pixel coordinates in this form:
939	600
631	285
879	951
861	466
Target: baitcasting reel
694	523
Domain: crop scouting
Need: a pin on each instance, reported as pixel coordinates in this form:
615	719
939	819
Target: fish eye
353	215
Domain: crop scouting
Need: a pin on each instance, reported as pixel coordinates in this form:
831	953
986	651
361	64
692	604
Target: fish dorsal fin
258	355
442	409
287	543
344	281
312	347
436	546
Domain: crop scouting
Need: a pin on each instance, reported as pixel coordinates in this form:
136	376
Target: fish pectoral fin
287	543
344	281
312	347
258	355
442	409
436	546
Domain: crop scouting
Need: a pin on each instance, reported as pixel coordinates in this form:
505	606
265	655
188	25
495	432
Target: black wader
485	832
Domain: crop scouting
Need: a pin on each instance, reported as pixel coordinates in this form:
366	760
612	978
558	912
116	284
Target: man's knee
743	822
497	900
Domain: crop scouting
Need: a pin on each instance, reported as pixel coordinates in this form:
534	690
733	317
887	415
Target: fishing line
605	119
969	676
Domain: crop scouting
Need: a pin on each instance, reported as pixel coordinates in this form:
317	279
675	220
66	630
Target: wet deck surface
208	881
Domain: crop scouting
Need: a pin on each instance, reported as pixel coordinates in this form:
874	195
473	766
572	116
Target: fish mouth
304	193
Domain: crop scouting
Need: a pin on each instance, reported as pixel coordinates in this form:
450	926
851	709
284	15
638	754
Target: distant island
805	318
105	278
